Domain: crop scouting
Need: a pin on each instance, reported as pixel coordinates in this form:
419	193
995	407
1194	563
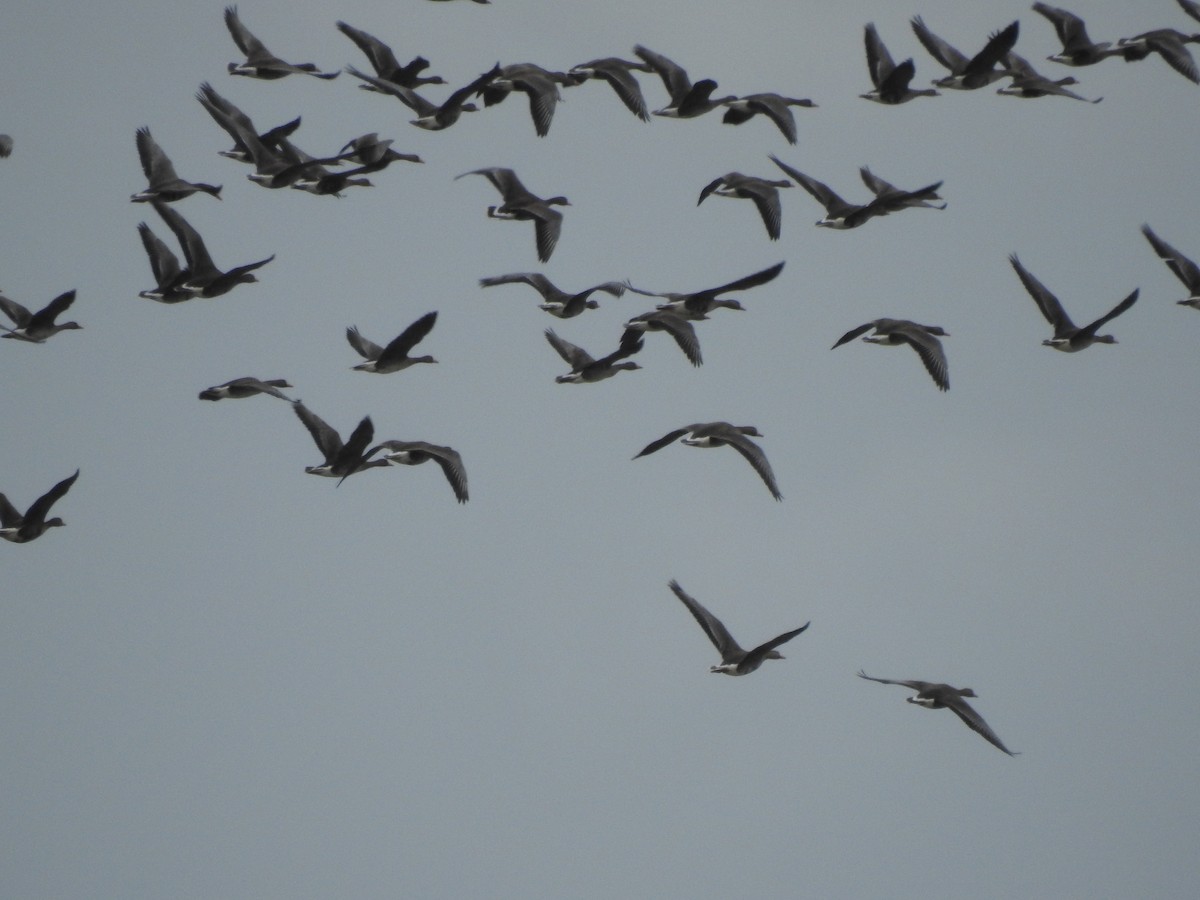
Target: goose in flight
898	332
37	327
1185	270
943	696
722	434
698	304
413	453
763	191
240	388
21	529
891	81
1067	336
164	184
394	356
558	303
734	660
521	203
968	74
261	62
585	369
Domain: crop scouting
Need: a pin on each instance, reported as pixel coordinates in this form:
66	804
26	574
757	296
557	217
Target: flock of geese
278	163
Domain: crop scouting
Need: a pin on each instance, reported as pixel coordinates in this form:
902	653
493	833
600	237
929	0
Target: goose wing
163	263
930	349
407	339
15	311
379	54
673	75
1112	313
199	262
1046	301
755	657
820	192
949	57
575	357
975	721
41	506
755	456
879	61
155	163
365	348
328	441
717	633
1185	270
246	42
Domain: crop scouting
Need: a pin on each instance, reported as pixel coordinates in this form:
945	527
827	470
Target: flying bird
240	388
1067	337
520	203
1168	43
775	107
734	660
341	459
235	123
541	86
968	74
430	116
394	356
21	529
1077	48
677	326
943	696
413	453
722	434
385	64
891	81
763	191
619	74
687	100
698	304
261	62
204	278
585	369
558	303
164	184
37	327
897	333
1185	270
1027	82
842	215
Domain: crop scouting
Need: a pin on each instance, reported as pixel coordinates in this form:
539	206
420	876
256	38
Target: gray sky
227	679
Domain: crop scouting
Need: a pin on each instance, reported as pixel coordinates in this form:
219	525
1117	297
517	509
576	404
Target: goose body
775	107
240	388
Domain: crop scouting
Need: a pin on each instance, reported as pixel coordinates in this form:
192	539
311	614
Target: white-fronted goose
413	453
169	278
618	73
841	215
520	203
1067	337
341	459
698	304
164	184
674	324
1027	82
1185	270
943	696
881	188
204	278
1078	49
261	62
898	332
430	116
558	303
384	61
687	100
240	388
722	434
21	529
968	74
1167	43
37	327
775	107
541	85
891	81
394	356
762	191
374	153
235	123
734	660
585	369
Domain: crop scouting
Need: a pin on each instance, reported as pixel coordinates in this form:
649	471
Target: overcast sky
226	678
